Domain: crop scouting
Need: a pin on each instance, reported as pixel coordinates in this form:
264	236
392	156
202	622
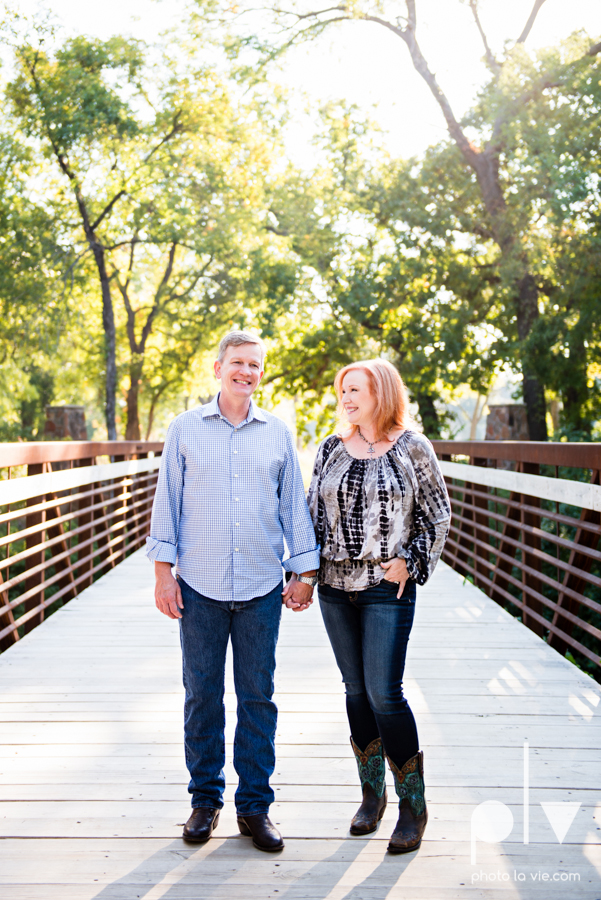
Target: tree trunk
132	432
151	411
428	415
533	390
485	164
108	324
575	392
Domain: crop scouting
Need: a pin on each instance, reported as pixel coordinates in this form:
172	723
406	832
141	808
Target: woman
381	512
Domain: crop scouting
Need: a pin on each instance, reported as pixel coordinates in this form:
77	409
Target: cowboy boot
413	815
372	772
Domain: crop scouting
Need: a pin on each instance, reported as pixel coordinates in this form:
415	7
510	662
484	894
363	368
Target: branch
107	209
469	153
311	15
511	110
175	129
195	279
596	48
131	316
531	21
490	57
157	297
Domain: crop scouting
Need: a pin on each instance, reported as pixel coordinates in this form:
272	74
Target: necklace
371	450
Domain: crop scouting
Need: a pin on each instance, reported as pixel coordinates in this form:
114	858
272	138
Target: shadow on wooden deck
93	782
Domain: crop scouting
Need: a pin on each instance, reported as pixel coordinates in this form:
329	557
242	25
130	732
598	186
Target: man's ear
217	369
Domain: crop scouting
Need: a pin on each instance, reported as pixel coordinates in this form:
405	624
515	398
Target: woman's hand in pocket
396	571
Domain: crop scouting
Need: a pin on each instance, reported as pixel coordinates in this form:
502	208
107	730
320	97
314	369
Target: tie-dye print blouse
368	511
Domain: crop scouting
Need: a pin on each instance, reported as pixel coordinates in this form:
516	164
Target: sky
363	63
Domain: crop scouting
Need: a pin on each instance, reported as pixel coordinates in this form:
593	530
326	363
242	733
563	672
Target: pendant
371	450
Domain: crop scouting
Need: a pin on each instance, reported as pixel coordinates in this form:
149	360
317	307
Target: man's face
240	371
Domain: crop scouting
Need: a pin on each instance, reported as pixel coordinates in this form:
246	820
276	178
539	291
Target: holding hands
297	596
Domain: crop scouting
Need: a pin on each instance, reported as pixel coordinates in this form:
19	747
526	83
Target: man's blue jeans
206	627
369	631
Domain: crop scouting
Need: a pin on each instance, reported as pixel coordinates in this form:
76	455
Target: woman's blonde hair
387	386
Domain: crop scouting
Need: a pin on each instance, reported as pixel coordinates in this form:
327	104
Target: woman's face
357	399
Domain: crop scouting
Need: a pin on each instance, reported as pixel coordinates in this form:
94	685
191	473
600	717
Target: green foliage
173	171
156	172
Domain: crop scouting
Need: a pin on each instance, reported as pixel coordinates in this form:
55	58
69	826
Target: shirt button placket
236	499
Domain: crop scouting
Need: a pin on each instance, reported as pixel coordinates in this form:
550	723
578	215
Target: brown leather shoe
201	824
370	812
413	814
263	832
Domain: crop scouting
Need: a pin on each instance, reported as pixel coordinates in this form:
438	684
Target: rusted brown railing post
34	560
509	538
482	563
85	517
532	562
7	620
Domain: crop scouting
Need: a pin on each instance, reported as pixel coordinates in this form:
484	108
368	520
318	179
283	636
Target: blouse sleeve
431	513
313	499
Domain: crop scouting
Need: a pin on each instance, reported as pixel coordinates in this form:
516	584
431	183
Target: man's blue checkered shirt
226	499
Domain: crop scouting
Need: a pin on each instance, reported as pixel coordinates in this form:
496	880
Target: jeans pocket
390	590
409	591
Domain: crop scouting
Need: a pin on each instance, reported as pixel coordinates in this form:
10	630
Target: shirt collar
212	409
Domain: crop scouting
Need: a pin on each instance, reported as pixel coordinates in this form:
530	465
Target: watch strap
307	579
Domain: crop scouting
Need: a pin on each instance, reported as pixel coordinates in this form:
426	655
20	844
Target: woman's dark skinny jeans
369	631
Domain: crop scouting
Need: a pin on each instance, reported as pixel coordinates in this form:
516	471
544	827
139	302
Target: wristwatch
307	579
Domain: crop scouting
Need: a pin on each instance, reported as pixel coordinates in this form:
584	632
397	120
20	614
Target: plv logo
492	821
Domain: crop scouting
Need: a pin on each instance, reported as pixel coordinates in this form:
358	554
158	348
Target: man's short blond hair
236	339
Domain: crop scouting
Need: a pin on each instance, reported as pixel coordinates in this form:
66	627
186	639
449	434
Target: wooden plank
160	790
92	754
152	819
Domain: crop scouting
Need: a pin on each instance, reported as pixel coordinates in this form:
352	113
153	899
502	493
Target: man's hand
167	593
396	570
297	596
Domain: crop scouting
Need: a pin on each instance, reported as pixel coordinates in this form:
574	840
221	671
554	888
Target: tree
386	277
164	175
33	308
484	156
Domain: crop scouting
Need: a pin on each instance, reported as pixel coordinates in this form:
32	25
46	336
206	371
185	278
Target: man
229	493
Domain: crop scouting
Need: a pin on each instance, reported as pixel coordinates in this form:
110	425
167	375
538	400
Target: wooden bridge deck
93	783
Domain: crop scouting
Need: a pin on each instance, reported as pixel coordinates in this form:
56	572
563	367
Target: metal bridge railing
526	530
69	512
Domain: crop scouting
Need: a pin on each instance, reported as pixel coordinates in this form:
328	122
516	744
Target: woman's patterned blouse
366	511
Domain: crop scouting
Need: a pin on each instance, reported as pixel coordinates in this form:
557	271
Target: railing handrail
562	490
551	453
35	452
18	489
